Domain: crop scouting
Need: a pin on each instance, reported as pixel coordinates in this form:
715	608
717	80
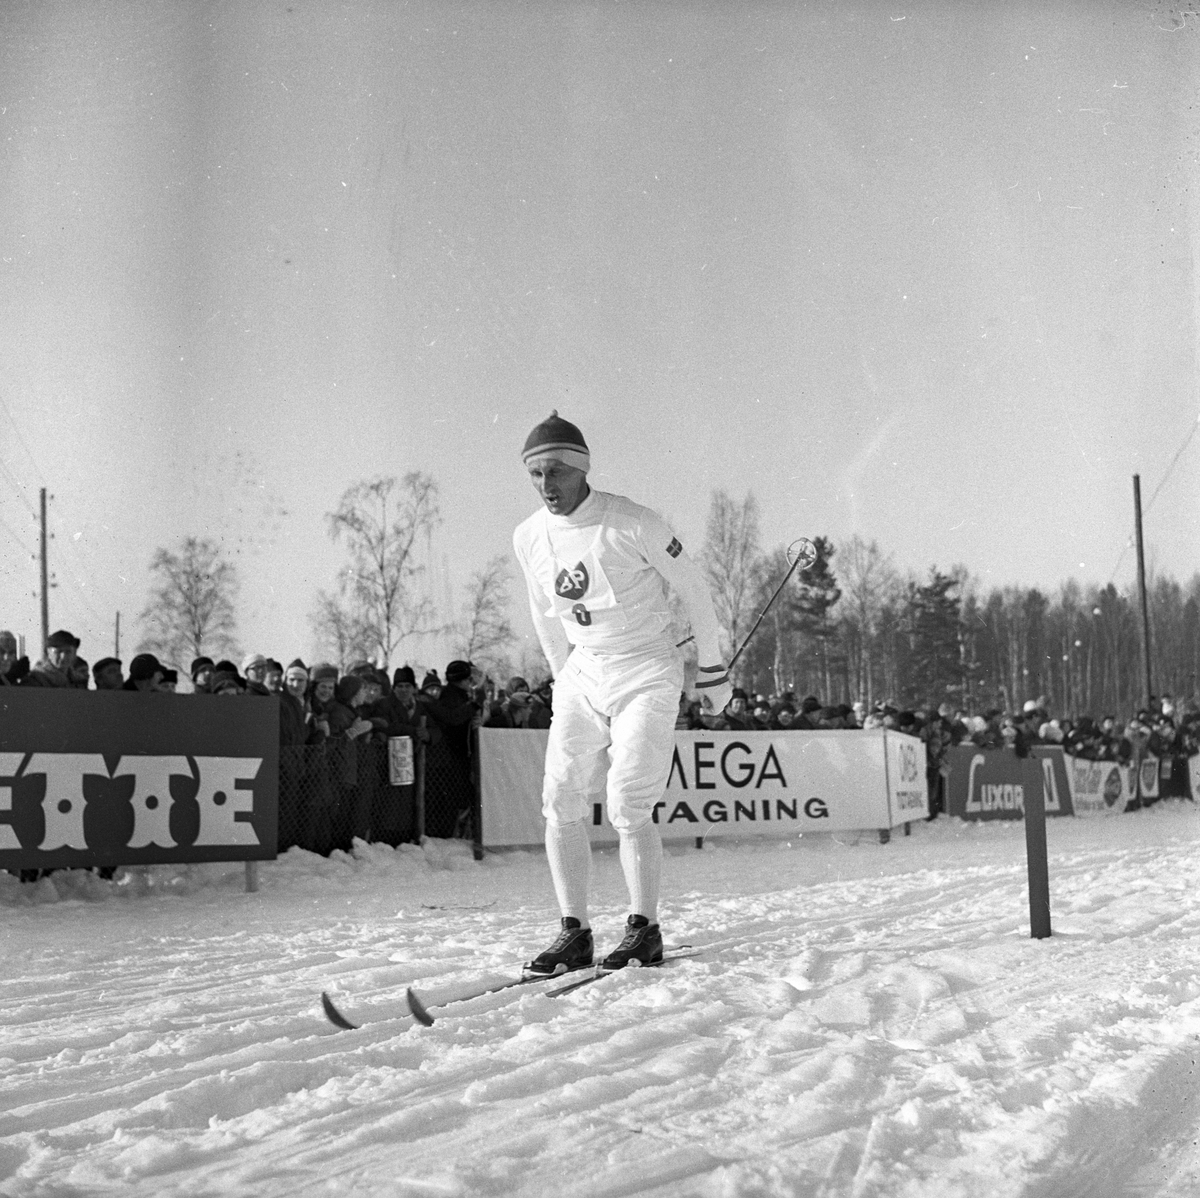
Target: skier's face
562	488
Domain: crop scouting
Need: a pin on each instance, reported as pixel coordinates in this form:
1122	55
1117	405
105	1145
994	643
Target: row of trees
852	627
379	600
849	627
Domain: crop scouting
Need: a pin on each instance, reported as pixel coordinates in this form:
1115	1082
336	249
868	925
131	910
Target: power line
16	536
1163	483
21	439
1174	460
16	486
84	571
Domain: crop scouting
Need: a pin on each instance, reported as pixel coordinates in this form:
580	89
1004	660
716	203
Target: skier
597	568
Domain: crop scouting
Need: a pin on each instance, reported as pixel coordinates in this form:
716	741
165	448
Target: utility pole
1141	564
117	638
45	577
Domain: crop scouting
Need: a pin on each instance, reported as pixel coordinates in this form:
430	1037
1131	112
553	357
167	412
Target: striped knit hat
559	439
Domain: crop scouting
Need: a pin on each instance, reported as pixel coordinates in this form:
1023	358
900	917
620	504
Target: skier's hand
715	688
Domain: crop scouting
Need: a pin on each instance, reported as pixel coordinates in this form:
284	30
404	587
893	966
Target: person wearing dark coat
453	712
13	667
54	670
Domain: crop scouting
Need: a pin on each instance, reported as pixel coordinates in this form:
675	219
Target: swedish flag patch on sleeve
674	548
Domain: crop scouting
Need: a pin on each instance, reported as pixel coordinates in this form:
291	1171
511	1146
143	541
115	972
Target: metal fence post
419	784
476	796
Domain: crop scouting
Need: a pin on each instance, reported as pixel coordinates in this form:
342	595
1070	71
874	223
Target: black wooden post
1035	852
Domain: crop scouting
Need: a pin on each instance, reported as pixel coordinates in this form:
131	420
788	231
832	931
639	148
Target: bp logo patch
573	583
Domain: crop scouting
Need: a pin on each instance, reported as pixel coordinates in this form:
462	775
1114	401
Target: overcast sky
922	272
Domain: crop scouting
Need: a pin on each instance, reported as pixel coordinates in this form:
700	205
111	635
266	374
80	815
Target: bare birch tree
340	633
485	629
731	560
380	521
191	607
867	579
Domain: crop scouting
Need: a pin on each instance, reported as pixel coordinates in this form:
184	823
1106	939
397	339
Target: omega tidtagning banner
728	784
126	778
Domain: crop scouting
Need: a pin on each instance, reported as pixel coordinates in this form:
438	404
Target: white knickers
614	714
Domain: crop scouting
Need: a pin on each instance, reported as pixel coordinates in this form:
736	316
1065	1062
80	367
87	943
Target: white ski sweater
598	578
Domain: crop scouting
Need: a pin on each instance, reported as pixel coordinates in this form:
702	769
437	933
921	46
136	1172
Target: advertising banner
1099	787
728	783
990	784
126	778
400	761
1056	783
1148	778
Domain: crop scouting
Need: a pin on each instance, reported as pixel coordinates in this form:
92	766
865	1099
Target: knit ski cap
559	439
143	667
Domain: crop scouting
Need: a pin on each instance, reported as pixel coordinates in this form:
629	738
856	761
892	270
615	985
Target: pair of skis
420	1010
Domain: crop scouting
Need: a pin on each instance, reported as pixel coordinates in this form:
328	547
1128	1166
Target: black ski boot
642	943
572	950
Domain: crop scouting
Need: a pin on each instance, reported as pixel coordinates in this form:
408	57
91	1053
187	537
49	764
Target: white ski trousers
612	736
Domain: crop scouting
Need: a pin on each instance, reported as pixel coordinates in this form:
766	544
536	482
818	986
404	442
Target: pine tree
813	595
934	629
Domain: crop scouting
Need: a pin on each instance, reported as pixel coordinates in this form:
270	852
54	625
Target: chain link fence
334	793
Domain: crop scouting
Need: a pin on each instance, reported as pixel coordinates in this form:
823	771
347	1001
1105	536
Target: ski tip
334	1015
417	1007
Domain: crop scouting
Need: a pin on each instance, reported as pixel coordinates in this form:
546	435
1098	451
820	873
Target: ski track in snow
866	1020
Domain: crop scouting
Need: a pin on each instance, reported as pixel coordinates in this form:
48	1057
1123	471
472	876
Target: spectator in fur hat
295	680
54	670
79	674
12	666
145	673
735	717
226	680
273	679
294	723
107	674
455	708
202	672
169	682
829	718
344	716
404	709
254	673
322	679
254	667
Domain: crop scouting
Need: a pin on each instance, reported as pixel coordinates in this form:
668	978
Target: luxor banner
126	778
989	784
728	784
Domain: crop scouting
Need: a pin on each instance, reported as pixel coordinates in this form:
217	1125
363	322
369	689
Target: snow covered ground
867	1020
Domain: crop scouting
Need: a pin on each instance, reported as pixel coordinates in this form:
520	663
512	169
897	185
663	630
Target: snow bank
865	1020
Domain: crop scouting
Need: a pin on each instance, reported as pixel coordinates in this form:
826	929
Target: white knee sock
641	859
569	852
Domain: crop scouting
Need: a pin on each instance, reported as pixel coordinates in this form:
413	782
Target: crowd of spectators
320	702
317	702
1158	730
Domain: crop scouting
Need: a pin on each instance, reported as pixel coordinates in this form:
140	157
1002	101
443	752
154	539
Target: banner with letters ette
125	778
728	784
990	784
